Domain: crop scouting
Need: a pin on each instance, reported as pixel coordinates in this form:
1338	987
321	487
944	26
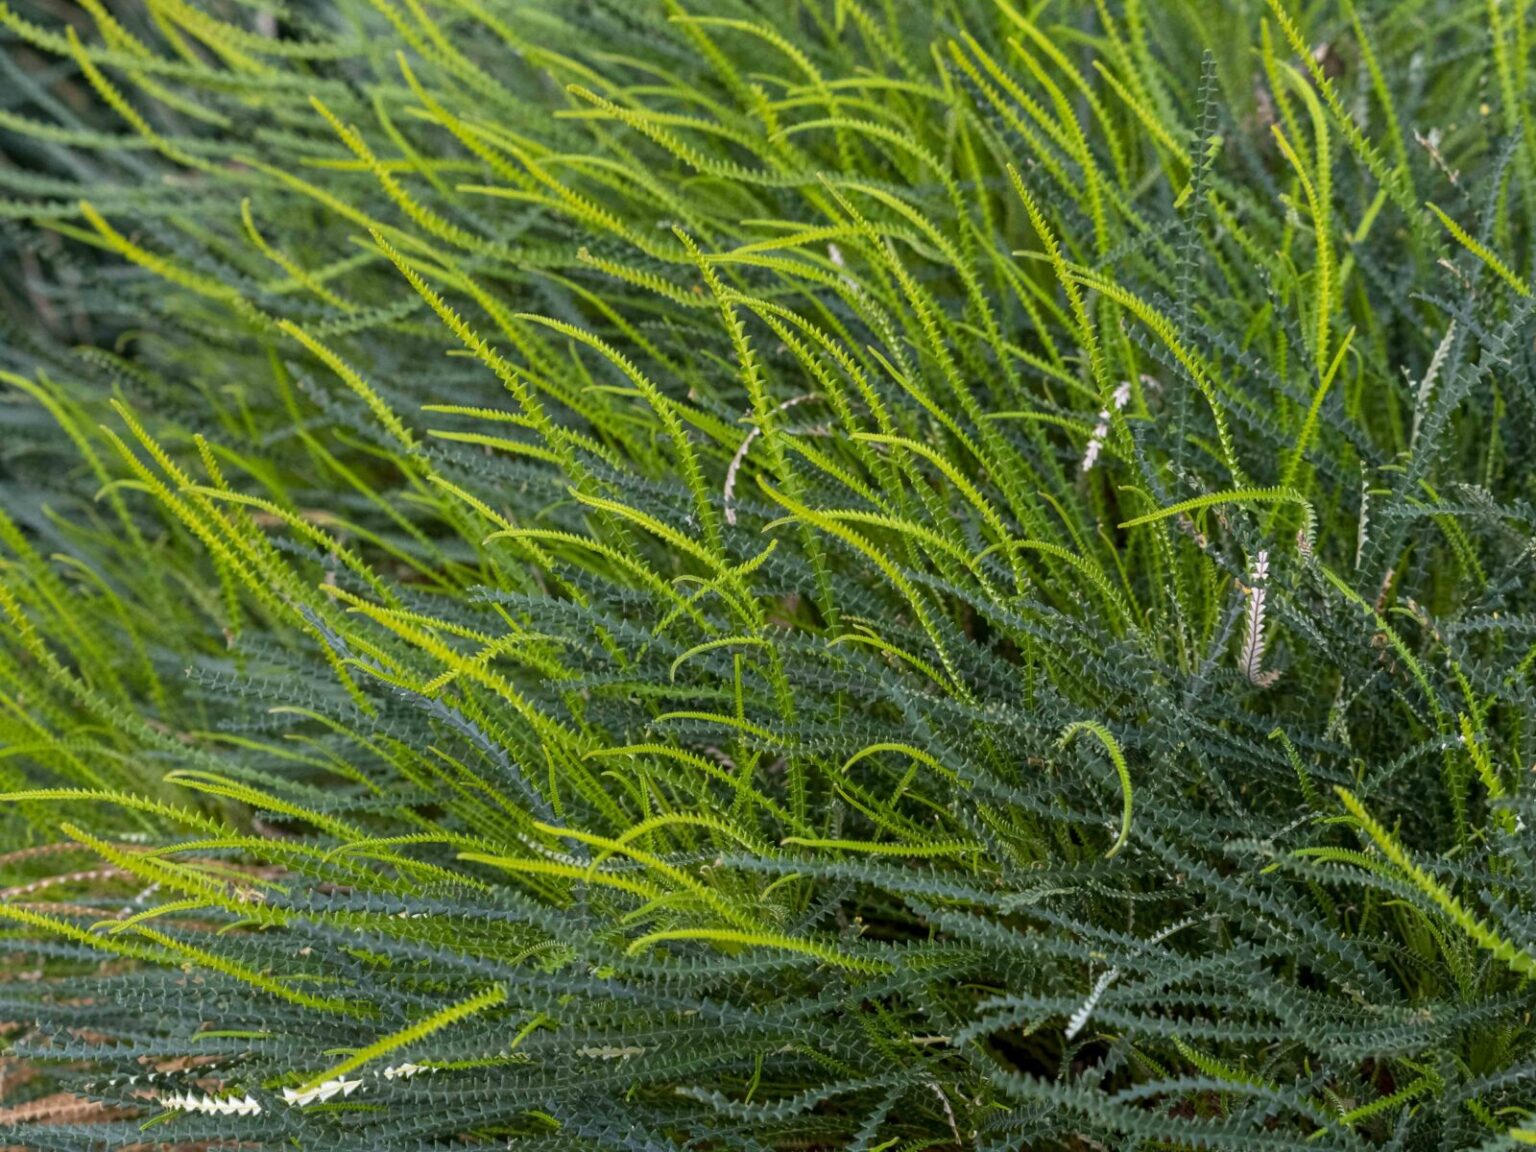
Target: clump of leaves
767	574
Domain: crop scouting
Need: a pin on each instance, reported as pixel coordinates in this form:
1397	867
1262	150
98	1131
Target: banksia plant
767	574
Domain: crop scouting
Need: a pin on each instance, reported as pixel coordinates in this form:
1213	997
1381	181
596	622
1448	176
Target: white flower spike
1120	398
1254	640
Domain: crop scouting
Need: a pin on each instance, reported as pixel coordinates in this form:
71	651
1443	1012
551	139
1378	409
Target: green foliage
559	560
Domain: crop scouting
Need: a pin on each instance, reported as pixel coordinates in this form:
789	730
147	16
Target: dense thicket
767	574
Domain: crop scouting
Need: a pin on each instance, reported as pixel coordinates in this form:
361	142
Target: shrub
767	574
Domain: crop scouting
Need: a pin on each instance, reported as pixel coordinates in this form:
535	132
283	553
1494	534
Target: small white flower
1096	442
1120	398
